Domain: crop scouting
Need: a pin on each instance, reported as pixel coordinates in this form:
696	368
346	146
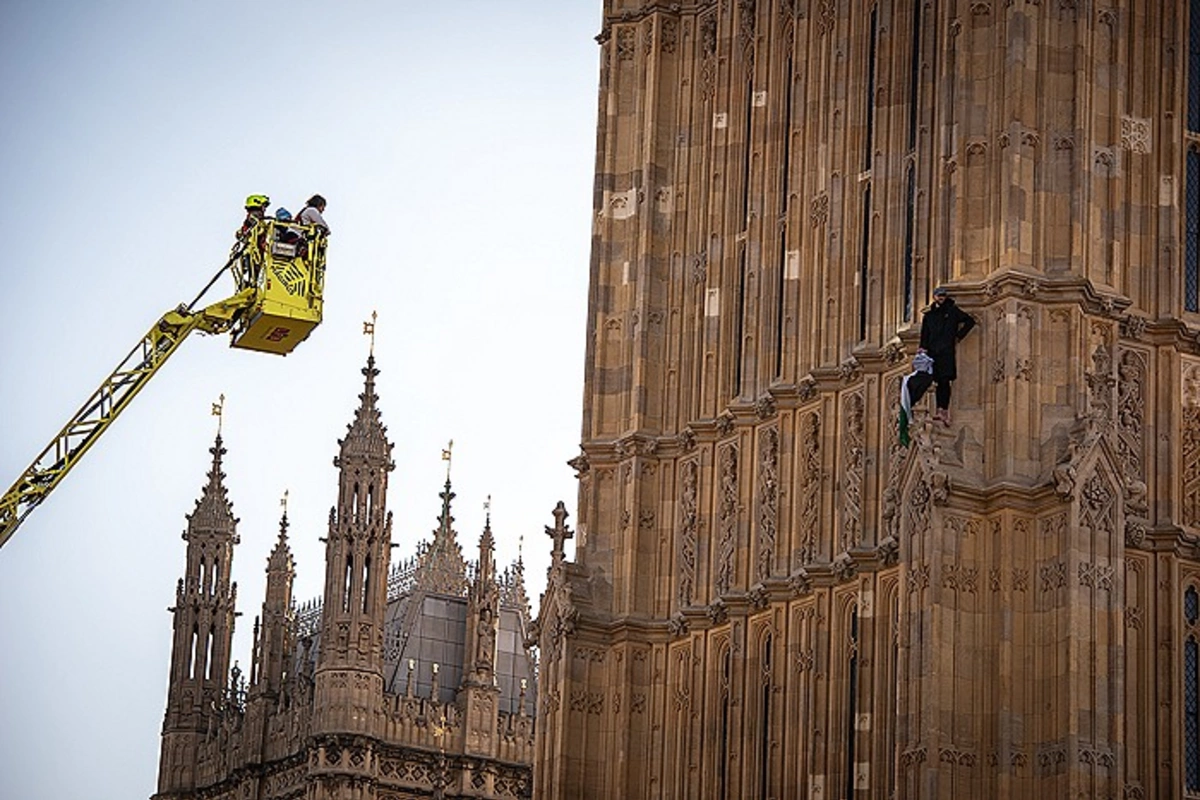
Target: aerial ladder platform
278	268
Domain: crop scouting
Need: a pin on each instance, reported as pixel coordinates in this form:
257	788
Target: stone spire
349	671
213	512
483	614
513	593
478	695
273	642
366	436
440	564
203	618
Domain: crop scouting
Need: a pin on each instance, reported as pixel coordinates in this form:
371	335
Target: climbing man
943	325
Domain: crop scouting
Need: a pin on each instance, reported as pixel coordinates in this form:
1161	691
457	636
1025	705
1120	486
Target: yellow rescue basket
285	262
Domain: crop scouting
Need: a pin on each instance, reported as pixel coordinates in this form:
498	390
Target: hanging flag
922	363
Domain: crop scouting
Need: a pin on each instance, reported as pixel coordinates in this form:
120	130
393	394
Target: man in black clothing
943	325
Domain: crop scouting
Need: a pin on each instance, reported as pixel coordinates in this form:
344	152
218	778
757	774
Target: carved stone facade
1010	607
404	681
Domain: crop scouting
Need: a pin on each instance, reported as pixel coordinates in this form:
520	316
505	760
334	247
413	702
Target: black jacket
941	328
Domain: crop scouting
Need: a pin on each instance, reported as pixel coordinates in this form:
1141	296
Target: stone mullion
1164	222
866	722
725	223
693	209
827	272
712	367
841	322
1139	673
755	226
680	301
804	237
882	700
1139	192
822	638
655	274
774	205
947	203
795	219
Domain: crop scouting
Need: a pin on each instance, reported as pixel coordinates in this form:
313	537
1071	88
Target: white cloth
310	216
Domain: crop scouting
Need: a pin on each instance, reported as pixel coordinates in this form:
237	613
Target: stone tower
348	693
408	680
203	618
770	595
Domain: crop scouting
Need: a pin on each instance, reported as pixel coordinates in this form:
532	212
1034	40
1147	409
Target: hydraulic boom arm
108	401
279	270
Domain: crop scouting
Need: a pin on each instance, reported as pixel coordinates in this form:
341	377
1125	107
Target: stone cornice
635	16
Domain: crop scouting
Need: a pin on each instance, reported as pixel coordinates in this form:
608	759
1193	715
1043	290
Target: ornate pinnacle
560	532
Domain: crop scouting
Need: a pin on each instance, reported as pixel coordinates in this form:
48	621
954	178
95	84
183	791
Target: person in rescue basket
256	209
943	325
311	213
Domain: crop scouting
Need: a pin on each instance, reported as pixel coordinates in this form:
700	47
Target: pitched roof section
280	559
366	436
213	512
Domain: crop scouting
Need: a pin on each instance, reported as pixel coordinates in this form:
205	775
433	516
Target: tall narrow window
740	322
851	700
354	505
191	670
914	75
869	143
764	719
910	233
370	503
723	727
366	584
348	580
216	575
1193	93
1191	692
202	587
208	656
1191	267
864	263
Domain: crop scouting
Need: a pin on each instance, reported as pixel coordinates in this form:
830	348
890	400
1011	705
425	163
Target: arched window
216	575
349	578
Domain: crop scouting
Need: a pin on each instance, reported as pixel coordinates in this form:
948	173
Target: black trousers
919	384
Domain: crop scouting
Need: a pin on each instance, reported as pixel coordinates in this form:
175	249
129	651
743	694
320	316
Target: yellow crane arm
110	399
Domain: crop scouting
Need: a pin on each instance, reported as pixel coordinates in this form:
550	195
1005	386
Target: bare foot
944	416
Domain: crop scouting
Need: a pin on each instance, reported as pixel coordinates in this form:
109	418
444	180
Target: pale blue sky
455	145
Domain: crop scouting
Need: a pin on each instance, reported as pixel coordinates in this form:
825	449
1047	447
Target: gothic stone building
401	682
770	597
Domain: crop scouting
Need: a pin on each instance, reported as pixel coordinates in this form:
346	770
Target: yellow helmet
258	201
